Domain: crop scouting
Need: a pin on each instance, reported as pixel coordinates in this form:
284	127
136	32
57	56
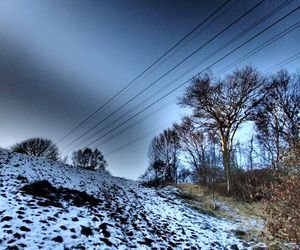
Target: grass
212	200
218	204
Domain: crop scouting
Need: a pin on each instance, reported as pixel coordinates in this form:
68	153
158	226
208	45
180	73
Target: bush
252	185
89	159
39	147
283	209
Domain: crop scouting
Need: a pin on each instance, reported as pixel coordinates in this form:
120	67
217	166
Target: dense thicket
40	147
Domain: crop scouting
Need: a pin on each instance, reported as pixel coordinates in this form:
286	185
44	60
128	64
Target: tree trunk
226	163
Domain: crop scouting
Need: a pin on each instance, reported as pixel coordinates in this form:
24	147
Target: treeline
41	147
204	147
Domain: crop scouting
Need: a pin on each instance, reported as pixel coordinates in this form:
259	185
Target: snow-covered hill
80	209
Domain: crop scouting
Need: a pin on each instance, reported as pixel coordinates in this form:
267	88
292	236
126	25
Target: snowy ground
126	216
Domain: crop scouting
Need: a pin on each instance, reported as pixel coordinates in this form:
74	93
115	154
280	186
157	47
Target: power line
226	45
169	71
288	60
281	64
108	126
151	132
130	126
142	73
285	62
193	37
240	35
251	27
156	111
198	64
262	46
138	139
182	84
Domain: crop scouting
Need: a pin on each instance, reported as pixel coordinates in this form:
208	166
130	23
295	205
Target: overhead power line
155	111
240	35
221	48
262	46
281	64
182	84
193	36
273	68
142	73
169	71
287	61
138	139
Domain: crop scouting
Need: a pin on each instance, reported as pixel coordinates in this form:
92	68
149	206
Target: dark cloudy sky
60	60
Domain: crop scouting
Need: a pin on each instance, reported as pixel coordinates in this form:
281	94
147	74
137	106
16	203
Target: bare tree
157	166
40	147
223	105
193	147
278	120
163	156
199	150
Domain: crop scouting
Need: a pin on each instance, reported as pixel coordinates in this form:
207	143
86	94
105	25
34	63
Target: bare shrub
283	209
39	147
89	159
252	185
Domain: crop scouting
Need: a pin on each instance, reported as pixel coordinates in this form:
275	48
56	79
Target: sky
61	60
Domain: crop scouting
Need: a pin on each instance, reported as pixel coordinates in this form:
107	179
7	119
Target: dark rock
234	247
11	241
75	219
104	230
51	218
20	212
6	218
87	231
12	248
103	226
130	234
106	241
17	235
27	221
58	239
22	178
95	219
25	229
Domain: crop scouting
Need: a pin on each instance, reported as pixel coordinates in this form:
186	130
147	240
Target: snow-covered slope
124	216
